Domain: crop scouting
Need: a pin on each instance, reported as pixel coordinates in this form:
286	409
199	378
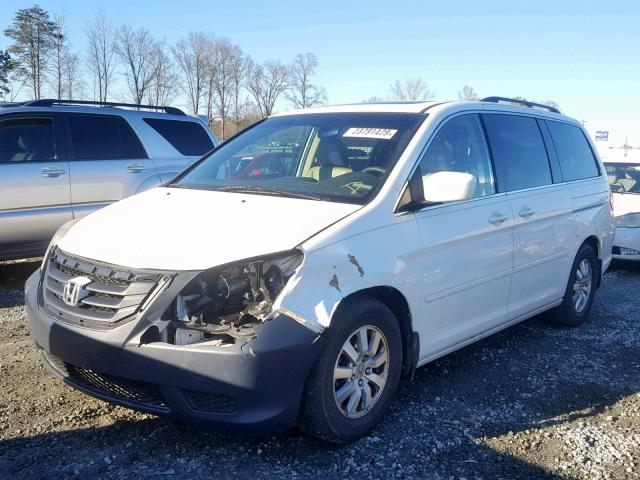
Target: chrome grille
114	295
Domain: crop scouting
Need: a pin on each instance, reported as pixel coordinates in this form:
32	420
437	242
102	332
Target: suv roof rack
48	102
9	104
517	101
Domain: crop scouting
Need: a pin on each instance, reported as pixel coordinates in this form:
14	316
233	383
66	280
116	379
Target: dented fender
331	273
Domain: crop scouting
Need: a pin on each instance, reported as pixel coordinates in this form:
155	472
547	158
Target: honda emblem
74	290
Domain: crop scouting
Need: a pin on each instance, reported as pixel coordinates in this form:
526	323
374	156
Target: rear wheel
581	289
356	377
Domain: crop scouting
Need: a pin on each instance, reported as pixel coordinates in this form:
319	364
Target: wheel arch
594	242
397	303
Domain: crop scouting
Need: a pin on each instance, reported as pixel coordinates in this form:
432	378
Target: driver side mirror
443	187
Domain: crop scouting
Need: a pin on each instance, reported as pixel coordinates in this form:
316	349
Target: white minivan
298	271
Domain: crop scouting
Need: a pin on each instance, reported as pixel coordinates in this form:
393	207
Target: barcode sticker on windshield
381	133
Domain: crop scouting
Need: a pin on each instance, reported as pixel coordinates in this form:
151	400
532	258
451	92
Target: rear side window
189	138
518	151
103	137
27	140
576	158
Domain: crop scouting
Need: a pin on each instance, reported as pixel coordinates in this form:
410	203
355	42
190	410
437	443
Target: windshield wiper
178	185
265	191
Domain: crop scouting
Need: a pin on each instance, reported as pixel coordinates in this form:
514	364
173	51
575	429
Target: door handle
526	212
49	172
497	218
136	168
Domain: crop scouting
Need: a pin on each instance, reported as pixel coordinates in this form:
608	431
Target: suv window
518	151
27	140
189	138
460	146
103	137
576	158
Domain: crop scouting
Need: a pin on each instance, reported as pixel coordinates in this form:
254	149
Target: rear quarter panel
592	215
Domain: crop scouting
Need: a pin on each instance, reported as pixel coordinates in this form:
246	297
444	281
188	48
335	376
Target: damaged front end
204	348
227	303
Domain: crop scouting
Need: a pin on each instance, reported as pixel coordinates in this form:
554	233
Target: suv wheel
581	289
356	377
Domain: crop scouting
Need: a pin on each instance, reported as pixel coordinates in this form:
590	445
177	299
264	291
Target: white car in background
624	180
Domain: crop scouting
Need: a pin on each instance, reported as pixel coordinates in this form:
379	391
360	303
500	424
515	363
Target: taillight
611	201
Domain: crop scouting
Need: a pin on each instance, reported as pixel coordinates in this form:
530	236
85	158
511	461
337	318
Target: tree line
213	75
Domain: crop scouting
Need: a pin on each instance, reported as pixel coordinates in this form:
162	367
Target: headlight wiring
231	300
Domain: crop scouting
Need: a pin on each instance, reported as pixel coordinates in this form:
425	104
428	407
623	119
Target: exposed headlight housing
231	300
630	220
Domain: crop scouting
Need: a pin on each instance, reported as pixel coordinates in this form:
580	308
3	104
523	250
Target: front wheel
356	377
581	289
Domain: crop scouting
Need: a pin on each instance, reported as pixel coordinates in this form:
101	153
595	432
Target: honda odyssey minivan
388	236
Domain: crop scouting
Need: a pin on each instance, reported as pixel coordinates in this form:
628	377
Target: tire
571	312
320	415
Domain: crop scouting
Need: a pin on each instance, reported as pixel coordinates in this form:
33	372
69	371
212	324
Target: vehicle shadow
14	273
619	265
525	380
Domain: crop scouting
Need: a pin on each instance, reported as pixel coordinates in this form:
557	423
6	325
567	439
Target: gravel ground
533	401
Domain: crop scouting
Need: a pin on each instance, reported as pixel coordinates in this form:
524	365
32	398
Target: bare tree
226	58
211	66
60	50
162	90
72	75
239	64
374	99
191	57
467	93
31	31
266	83
302	93
100	55
247	114
135	49
410	89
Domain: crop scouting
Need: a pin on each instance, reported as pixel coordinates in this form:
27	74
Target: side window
27	140
189	138
518	151
103	137
576	158
459	146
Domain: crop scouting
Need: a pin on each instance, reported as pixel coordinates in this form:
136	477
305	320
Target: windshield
341	157
623	177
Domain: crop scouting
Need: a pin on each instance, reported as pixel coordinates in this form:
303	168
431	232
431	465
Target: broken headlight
231	300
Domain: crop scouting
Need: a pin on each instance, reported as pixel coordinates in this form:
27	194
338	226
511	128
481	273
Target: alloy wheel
582	285
360	373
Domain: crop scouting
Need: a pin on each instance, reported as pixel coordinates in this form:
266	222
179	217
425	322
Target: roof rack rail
9	104
517	101
48	102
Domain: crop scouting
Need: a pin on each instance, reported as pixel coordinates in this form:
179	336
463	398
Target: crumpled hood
177	229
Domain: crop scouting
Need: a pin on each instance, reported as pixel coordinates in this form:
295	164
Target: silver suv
61	160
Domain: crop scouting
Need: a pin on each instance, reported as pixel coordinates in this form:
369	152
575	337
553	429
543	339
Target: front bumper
628	238
252	387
